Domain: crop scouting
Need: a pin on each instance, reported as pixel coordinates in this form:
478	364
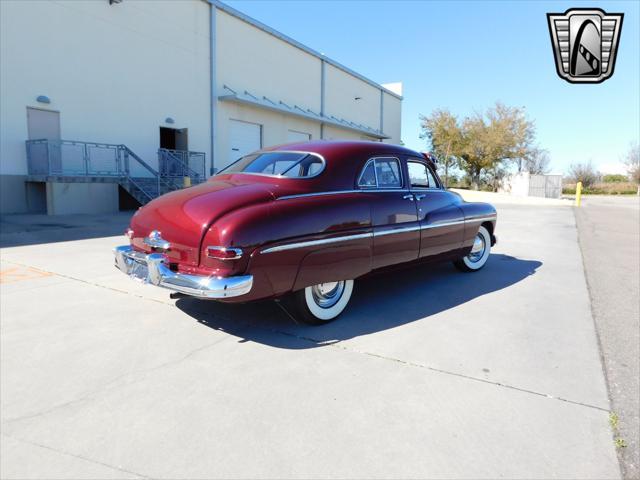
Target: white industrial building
106	101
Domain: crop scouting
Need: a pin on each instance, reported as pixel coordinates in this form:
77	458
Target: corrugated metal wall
548	186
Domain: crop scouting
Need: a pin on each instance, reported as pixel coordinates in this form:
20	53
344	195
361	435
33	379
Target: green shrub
615	188
614	178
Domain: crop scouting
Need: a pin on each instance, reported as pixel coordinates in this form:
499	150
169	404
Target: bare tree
632	161
583	172
536	161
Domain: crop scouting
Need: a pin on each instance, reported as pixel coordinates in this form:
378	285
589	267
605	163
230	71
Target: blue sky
465	55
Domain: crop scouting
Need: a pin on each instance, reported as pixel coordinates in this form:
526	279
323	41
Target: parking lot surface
609	229
429	373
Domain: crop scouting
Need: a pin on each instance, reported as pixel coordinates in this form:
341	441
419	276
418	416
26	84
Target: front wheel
479	253
321	303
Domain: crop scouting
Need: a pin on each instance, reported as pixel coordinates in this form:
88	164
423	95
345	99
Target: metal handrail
141	188
178	156
69	157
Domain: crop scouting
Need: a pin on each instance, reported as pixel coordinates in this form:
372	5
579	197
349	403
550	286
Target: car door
441	220
394	216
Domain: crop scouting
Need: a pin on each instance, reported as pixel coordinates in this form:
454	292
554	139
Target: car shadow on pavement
379	302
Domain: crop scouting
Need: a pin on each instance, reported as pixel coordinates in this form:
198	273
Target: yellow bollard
186	182
578	193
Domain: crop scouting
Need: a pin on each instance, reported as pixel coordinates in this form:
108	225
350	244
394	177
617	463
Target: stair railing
67	158
175	164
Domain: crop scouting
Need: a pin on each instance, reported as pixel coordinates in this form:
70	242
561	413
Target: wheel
321	303
479	253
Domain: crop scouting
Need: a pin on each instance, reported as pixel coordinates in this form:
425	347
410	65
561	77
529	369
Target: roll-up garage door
244	138
296	136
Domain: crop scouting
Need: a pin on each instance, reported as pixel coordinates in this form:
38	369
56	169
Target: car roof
331	149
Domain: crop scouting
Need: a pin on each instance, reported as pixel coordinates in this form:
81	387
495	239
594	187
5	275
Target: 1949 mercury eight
302	222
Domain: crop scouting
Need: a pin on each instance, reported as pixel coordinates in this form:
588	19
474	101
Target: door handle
420	197
408	197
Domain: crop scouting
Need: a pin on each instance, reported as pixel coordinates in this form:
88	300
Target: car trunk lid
182	217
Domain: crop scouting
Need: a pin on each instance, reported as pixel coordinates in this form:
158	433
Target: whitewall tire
479	253
322	303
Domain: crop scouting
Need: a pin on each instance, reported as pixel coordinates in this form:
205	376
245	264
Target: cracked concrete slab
428	374
246	410
20	459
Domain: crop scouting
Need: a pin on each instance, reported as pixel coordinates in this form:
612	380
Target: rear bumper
152	269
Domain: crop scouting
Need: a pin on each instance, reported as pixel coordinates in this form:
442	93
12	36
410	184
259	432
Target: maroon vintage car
301	222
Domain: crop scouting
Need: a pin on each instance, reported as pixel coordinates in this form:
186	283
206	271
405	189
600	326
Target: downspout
214	96
322	89
381	112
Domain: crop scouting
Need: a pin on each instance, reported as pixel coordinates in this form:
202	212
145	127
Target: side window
381	173
420	175
432	179
368	176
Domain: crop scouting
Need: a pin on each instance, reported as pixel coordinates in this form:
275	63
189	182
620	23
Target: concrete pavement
429	373
609	230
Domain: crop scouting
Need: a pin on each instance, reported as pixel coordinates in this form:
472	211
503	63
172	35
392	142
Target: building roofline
281	107
245	18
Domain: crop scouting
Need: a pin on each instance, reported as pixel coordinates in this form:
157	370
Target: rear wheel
479	253
321	303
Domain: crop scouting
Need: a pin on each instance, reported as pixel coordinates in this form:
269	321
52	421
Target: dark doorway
36	197
174	138
126	201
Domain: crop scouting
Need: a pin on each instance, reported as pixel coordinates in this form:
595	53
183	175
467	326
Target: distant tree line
485	145
586	173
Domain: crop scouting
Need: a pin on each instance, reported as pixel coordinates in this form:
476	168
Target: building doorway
174	138
43	124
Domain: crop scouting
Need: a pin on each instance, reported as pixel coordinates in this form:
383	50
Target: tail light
224	253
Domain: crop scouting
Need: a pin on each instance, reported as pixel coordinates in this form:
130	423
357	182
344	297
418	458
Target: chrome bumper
151	269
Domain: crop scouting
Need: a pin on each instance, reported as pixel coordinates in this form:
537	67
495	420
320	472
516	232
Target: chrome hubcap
326	295
477	251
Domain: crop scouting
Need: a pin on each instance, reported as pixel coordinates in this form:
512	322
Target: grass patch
620	443
614	420
611	188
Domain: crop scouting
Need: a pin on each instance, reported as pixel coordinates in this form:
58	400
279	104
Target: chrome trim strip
391	231
300	152
442	224
378	233
157	273
312	243
237	251
340	192
482	217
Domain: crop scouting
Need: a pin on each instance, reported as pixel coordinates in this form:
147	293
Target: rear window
282	164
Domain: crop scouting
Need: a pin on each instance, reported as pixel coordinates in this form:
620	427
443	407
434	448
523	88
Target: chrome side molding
312	243
378	233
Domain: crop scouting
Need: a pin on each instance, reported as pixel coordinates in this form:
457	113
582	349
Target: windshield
284	164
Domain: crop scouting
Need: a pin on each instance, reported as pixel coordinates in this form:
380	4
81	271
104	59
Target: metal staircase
74	161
